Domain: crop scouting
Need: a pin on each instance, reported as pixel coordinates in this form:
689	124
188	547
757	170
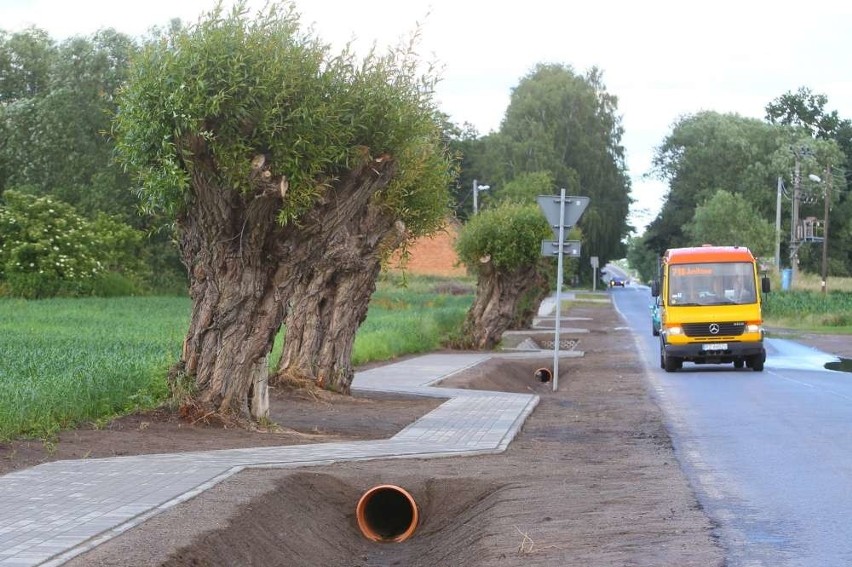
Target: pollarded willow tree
287	170
502	247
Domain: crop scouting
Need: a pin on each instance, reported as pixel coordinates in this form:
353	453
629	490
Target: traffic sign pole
556	345
561	212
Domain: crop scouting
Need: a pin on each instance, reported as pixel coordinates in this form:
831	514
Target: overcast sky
663	59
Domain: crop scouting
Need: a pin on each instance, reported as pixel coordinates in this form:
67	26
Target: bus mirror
655	288
764	284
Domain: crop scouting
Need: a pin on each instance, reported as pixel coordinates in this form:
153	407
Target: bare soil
591	479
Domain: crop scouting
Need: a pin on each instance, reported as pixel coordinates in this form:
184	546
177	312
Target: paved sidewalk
55	511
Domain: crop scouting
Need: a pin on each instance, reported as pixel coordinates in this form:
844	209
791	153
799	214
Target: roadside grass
813	282
416	318
71	361
804	307
809	311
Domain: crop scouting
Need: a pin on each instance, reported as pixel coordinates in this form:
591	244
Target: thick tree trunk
529	303
330	302
244	269
327	310
495	304
231	247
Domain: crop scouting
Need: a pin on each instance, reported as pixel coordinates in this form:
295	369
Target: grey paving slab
55	511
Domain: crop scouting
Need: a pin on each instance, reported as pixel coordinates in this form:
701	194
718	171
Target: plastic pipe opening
387	513
543	374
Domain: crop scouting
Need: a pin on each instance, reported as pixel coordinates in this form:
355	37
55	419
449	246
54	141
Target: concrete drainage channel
541	342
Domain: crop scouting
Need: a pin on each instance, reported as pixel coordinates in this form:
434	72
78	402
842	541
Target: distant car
617	281
655	316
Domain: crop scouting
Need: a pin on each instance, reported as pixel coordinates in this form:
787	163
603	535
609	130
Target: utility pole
778	225
827	200
794	224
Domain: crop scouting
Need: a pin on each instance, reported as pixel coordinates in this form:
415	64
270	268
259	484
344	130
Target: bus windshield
723	283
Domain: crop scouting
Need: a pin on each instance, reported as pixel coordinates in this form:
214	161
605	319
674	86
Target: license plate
715	346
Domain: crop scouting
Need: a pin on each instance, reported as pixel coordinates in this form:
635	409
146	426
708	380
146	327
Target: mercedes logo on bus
714	328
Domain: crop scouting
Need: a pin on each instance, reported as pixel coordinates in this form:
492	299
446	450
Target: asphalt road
769	453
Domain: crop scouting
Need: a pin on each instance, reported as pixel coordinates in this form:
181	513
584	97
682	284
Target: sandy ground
591	479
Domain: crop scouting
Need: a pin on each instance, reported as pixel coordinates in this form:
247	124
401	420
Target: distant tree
643	259
709	151
727	219
283	165
56	139
807	111
567	124
56	104
502	247
26	59
526	187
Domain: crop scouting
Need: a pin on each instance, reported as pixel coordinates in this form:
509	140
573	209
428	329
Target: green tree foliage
289	170
807	111
642	258
285	96
47	249
56	133
509	234
526	187
56	104
567	124
25	61
728	219
709	151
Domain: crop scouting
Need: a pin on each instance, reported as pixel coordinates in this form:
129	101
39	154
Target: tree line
241	161
724	173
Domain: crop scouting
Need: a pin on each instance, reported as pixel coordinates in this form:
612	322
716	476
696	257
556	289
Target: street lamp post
476	189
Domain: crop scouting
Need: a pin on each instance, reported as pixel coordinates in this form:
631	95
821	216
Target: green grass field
68	361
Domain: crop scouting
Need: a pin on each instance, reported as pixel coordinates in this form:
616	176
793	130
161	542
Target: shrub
48	249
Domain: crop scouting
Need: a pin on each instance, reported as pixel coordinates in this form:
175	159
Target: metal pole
556	345
794	228
778	225
825	229
475	197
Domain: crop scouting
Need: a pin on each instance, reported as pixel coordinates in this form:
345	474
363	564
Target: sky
662	59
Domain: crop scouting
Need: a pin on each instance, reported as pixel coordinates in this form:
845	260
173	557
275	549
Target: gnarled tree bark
244	268
495	304
330	301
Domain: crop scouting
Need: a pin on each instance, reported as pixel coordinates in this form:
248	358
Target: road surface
768	453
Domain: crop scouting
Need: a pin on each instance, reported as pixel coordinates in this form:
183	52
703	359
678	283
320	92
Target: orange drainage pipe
387	513
543	374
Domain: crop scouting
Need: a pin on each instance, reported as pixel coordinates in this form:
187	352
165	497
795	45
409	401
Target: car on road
617	281
655	316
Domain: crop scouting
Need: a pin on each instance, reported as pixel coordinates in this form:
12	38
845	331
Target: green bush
47	249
